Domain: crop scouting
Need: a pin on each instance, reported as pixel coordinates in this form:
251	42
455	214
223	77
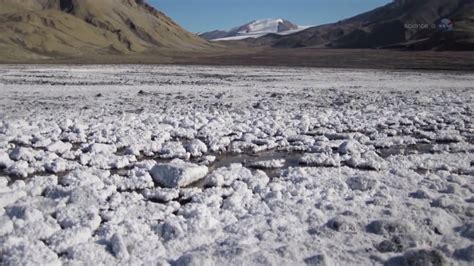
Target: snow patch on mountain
261	26
255	29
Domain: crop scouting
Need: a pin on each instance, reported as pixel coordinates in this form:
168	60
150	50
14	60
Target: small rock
178	173
173	150
56	166
59	147
207	160
317	260
368	160
135	179
361	183
420	194
340	225
397	244
119	248
171	229
196	148
80	177
349	147
258	105
102	148
388	227
424	257
194	259
161	194
20	169
268	164
321	159
388	246
225	176
22	153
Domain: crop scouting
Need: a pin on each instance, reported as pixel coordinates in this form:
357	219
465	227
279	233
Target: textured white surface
371	166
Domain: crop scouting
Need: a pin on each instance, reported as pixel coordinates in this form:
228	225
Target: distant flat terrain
229	55
341	58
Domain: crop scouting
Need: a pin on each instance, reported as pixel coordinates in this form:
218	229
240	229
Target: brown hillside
52	28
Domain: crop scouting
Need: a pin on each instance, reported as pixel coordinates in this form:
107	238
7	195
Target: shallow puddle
422	148
291	160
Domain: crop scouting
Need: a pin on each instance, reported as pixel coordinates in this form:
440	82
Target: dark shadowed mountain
215	34
405	24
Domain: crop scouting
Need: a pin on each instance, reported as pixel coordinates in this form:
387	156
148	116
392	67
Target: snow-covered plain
249	166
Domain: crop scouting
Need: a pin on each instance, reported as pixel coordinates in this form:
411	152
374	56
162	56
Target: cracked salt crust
378	166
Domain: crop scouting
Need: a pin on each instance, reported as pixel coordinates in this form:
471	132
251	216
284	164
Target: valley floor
238	54
200	165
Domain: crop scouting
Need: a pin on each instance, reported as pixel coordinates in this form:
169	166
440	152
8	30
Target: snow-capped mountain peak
265	26
254	29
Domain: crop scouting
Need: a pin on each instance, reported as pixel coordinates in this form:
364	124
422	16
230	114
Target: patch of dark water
121	171
198	184
292	159
13	178
446	141
421	148
24	145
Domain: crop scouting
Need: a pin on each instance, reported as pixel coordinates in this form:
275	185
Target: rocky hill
80	28
400	24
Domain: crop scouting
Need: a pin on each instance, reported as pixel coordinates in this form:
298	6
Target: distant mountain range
402	24
117	30
39	29
254	29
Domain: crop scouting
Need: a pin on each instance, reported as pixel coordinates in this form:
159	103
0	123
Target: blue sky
206	15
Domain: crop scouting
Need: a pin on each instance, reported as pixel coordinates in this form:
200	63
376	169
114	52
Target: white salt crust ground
272	166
